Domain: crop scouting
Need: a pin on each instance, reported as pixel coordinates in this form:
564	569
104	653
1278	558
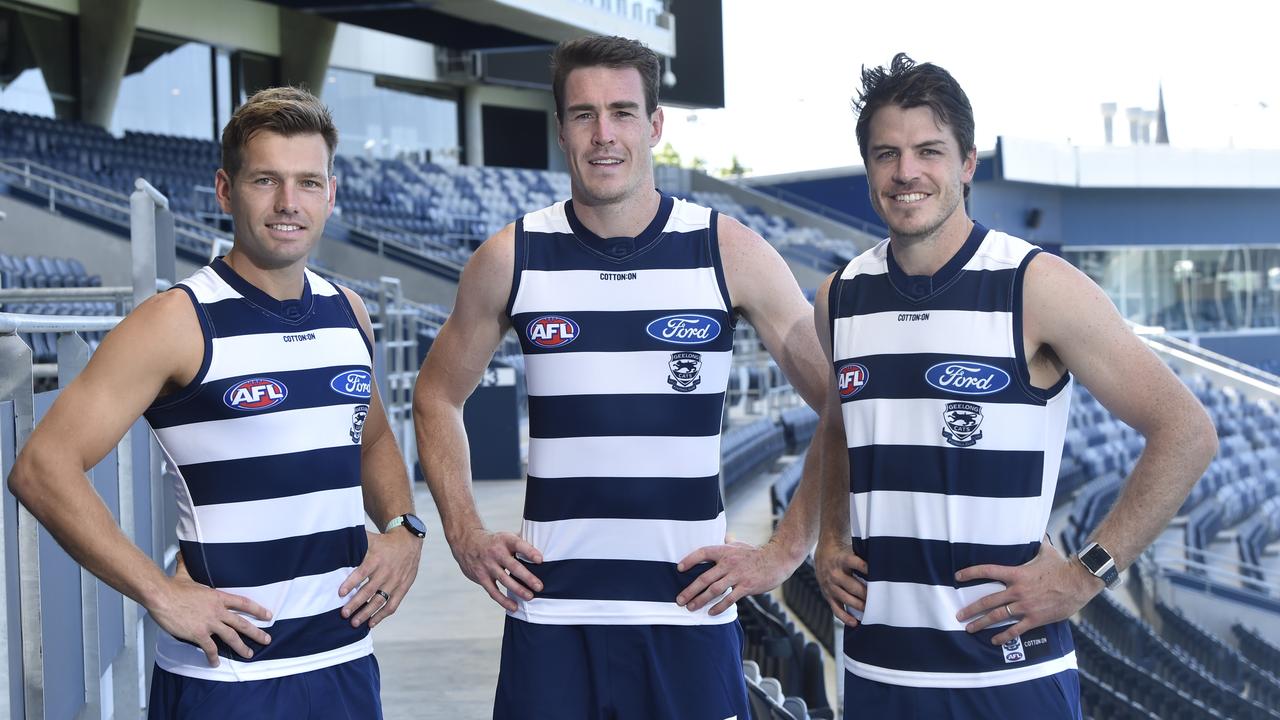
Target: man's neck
925	255
626	218
280	283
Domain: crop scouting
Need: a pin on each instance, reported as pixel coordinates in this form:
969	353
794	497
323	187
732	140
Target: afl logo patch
967	378
551	331
684	329
255	394
353	383
851	378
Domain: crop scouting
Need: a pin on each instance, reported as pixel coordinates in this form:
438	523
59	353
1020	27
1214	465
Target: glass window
167	89
36	73
386	118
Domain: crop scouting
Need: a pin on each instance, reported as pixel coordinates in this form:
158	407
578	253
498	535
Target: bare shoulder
1061	301
737	241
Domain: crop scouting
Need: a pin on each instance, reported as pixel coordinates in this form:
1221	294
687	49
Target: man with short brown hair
256	375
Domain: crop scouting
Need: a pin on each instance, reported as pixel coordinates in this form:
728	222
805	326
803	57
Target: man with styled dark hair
620	587
256	375
954	350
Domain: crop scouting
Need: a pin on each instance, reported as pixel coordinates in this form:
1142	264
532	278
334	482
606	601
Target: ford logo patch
684	329
967	378
255	394
355	383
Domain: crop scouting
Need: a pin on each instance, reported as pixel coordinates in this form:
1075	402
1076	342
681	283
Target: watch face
416	524
1095	558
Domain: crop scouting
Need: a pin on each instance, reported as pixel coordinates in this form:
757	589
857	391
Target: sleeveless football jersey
953	460
266	440
627	345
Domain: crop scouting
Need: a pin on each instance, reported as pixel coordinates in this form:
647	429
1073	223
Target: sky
1032	70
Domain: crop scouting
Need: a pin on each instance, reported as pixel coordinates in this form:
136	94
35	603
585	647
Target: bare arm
763	289
157	347
450	373
391	565
1070	323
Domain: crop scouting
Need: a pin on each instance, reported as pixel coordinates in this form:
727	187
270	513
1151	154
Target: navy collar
287	310
619	249
921	287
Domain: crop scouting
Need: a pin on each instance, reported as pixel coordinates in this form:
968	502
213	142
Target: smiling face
916	172
606	135
279	199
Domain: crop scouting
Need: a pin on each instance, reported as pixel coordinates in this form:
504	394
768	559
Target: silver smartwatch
1099	562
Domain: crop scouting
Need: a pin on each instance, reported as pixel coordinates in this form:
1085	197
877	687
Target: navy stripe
648	498
639	580
674	414
251	564
946	470
303	389
622	331
975	290
272	476
933	562
906	376
298	637
235	316
671	251
929	650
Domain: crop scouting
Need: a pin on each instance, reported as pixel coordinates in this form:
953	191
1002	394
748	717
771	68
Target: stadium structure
109	115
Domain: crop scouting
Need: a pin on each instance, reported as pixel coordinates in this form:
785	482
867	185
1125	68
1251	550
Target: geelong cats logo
686	369
960	423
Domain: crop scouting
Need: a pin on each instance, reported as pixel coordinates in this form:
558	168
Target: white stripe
551	219
953	332
872	261
579	373
960	680
301	597
209	288
319	286
622	538
624	456
276	434
999	252
688	217
904	604
188	660
890	421
573	290
276	518
544	611
248	354
953	518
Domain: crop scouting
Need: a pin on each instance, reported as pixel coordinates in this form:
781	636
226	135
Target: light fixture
668	77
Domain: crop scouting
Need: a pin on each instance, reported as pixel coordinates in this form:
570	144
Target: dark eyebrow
616	105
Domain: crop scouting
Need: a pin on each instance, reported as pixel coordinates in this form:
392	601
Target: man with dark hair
954	349
620	588
256	375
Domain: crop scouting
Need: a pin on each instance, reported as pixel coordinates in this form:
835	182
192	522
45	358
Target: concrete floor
439	653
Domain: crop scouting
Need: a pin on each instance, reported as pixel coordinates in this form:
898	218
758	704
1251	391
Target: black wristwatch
411	522
1099	562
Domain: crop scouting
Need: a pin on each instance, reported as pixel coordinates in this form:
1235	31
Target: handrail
1233	559
65	293
156	196
29	164
11	323
830	213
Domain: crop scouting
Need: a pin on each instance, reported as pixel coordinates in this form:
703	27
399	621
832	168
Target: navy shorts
350	691
621	672
1053	697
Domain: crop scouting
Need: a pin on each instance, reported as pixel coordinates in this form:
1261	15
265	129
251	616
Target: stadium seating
1258	649
748	449
780	652
413	209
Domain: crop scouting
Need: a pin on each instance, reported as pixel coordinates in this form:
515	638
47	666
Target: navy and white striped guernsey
953	460
266	440
627	344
